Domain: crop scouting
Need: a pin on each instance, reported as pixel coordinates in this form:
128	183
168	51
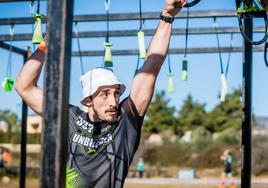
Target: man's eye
117	94
104	94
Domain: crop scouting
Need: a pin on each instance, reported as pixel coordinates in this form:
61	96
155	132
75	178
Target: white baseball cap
97	77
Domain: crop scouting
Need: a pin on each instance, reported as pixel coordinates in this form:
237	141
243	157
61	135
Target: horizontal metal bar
171	51
136	52
148	32
14	49
16	1
13	1
127	16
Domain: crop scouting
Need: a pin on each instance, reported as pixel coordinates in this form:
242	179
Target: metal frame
171	51
147	32
247	104
14	49
15	1
127	17
23	144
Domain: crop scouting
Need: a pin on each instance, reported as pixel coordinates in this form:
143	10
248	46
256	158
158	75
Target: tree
191	115
159	115
227	114
10	118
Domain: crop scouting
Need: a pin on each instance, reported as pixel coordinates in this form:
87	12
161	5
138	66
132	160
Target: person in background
140	167
6	157
228	160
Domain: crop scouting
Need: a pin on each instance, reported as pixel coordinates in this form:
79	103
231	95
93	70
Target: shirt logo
84	125
91	146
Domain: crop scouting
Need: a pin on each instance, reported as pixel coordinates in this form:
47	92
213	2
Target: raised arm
26	82
143	84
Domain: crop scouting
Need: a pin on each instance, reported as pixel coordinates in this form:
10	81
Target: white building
3	127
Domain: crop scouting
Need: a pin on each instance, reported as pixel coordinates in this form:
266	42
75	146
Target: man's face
105	103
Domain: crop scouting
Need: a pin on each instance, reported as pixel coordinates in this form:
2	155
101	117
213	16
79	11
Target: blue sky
204	71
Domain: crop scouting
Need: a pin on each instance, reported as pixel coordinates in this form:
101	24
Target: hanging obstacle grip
108	55
250	11
38	34
7	84
247	15
141	42
191	4
170	87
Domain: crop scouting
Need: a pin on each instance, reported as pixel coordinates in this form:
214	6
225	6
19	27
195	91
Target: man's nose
112	101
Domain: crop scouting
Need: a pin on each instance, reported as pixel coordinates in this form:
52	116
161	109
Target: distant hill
262	122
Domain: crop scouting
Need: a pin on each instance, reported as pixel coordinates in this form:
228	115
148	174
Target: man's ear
88	102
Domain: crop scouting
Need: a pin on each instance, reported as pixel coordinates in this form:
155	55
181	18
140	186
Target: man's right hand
172	7
42	46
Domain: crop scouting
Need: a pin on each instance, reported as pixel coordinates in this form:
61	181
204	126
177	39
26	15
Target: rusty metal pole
56	93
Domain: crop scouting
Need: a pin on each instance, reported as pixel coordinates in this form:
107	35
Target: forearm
26	83
29	74
158	49
144	82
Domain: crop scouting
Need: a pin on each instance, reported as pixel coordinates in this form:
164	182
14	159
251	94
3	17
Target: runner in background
228	160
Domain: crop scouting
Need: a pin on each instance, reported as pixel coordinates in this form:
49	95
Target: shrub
15	138
201	138
209	157
230	136
259	155
165	155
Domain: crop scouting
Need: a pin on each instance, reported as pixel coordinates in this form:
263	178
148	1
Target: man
228	160
102	142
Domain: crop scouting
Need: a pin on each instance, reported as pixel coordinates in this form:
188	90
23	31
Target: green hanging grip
141	42
223	87
7	84
108	55
38	34
170	87
184	70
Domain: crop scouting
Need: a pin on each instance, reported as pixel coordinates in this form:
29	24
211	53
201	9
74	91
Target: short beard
111	120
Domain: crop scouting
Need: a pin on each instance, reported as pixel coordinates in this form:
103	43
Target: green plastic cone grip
184	70
141	42
108	55
7	84
38	34
170	87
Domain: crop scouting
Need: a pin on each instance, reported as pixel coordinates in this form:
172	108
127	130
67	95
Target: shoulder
128	109
127	105
75	110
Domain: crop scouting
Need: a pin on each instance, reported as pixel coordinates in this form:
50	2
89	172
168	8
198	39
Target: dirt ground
145	183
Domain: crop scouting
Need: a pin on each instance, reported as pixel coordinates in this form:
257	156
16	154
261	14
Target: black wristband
168	19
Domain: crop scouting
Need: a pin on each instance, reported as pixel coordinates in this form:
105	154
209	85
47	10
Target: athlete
228	160
103	140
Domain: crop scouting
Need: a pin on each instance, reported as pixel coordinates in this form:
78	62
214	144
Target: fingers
184	3
180	3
